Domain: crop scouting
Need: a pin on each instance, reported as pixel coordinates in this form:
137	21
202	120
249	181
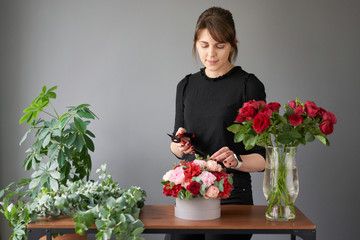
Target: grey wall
126	57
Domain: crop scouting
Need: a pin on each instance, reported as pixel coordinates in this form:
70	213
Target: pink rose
177	176
213	166
295	119
261	122
311	109
326	127
274	106
329	116
207	178
212	192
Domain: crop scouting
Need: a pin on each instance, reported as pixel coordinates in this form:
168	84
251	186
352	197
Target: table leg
35	234
304	234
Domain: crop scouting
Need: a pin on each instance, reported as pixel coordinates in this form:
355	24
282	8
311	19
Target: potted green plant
61	161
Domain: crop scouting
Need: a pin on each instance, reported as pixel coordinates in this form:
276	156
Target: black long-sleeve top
207	106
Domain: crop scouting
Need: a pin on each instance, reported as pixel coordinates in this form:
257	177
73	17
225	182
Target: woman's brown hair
220	24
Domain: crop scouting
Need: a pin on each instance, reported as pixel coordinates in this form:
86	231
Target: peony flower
299	109
213	166
240	118
212	192
295	119
248	112
326	127
292	104
329	116
199	162
207	178
311	109
274	106
177	175
267	110
167	175
194	188
261	122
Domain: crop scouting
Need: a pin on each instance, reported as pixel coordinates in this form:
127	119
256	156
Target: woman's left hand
226	156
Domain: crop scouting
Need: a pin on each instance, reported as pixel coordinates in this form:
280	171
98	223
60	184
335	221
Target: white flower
167	175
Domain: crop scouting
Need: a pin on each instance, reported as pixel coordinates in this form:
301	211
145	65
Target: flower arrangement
259	123
199	178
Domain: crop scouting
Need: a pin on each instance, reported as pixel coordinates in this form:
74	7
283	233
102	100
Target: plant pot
68	236
281	183
198	209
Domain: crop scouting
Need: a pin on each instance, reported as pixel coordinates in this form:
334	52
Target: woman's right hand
184	146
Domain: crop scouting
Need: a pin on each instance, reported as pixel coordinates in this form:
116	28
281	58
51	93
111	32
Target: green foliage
115	211
63	141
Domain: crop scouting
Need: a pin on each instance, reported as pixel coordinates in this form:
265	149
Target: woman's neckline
231	71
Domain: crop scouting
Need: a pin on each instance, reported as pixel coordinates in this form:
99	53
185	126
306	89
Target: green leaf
238	137
46	140
63	121
53	150
89	143
54	185
309	137
43	90
90	134
51	95
55	174
79	143
323	139
25	136
81	106
137	231
52	88
80	125
25	117
110	203
84	114
235	128
34	182
61	158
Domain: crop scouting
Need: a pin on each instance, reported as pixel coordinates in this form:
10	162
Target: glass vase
281	183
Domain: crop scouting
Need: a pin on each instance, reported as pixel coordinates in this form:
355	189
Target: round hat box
198	209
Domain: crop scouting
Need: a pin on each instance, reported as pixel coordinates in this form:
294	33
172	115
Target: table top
232	217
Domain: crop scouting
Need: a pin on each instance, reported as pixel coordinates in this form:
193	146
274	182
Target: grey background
126	57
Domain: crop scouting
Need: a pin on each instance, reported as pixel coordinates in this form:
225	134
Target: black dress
207	106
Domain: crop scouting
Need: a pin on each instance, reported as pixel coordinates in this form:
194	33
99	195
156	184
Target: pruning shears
177	139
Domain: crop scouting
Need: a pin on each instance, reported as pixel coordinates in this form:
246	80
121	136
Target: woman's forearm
252	163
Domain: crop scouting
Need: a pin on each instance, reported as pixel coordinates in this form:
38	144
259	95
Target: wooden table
235	219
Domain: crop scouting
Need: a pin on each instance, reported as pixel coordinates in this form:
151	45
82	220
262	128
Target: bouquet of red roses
259	123
199	178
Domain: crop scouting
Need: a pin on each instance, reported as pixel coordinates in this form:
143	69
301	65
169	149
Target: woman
207	103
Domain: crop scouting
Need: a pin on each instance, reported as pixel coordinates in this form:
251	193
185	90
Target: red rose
299	109
311	109
248	112
194	188
261	122
266	109
329	116
240	118
175	190
321	112
292	104
274	106
167	190
295	119
326	127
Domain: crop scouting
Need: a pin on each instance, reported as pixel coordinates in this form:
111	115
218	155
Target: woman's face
214	55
